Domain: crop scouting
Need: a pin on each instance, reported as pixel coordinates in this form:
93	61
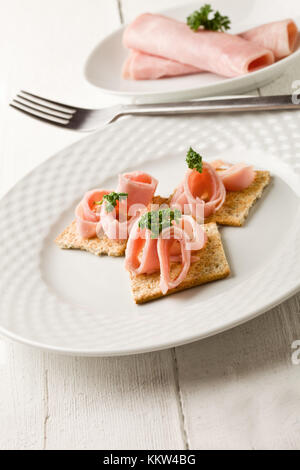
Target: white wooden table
236	390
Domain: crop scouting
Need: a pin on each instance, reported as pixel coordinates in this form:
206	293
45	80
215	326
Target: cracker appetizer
104	218
219	191
168	252
170	244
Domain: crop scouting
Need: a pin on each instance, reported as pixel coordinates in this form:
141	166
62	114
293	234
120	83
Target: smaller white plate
104	65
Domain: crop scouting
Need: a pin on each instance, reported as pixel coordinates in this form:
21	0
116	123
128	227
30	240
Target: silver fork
82	119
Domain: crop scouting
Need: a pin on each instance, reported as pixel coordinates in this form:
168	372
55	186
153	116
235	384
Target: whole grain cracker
237	205
69	239
211	265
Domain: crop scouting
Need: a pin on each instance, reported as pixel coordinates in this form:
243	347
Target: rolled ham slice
216	52
235	177
87	214
200	193
141	252
114	223
164	243
117	225
279	36
139	186
145	255
140	66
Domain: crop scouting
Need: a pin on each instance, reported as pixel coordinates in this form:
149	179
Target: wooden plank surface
22	397
113	403
240	389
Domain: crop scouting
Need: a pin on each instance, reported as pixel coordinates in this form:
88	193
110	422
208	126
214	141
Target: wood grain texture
113	403
240	389
22	397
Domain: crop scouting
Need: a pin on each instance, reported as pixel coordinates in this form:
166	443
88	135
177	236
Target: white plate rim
161	347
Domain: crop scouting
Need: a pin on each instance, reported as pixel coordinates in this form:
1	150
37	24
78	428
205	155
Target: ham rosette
235	177
117	224
88	213
164	244
200	193
139	186
115	217
146	255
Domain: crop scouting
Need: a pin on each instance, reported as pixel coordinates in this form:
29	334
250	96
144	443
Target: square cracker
211	265
70	240
237	205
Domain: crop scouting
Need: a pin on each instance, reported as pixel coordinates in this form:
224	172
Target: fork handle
255	103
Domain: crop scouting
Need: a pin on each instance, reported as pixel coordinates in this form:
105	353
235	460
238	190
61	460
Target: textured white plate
75	302
103	67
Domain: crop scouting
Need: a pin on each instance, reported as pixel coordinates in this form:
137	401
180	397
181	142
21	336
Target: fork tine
49	101
68	114
41	118
31	108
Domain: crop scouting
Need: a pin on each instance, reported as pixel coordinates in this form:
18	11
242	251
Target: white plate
103	67
74	302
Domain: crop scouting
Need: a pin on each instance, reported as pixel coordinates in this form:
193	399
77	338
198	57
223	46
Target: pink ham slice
140	66
139	186
87	218
235	177
280	37
164	243
115	226
145	255
118	226
141	252
220	53
200	193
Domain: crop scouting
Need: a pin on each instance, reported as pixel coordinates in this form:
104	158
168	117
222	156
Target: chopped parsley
204	19
194	160
111	200
156	221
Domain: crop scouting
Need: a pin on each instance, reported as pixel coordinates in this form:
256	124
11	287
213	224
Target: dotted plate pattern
33	313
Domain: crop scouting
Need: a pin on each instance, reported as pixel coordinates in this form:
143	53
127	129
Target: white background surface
236	390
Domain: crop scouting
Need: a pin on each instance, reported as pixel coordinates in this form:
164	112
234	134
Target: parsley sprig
111	200
157	220
194	160
205	19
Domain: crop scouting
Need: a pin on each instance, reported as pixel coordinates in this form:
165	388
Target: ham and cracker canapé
160	238
113	213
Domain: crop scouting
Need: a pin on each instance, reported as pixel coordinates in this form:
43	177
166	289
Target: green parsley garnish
206	20
194	160
156	221
111	200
